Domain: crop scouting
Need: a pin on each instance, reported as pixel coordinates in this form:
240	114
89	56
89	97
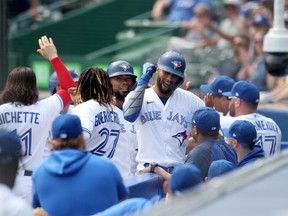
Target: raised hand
47	48
149	68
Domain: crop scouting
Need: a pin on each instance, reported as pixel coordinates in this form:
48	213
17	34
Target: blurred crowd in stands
232	32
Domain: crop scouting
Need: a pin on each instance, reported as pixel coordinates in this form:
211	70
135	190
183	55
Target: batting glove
149	69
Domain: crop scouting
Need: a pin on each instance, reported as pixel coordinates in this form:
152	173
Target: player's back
101	127
268	133
32	123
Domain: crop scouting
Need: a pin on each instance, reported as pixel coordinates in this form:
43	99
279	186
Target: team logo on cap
177	64
181	136
125	66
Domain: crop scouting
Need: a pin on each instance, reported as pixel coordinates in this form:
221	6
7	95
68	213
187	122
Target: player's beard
160	83
119	96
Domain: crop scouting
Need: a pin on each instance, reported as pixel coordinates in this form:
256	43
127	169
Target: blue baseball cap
66	126
205	118
260	20
243	131
244	90
220	167
184	176
218	85
9	143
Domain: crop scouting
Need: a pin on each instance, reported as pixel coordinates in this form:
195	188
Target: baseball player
122	77
93	104
243	105
29	118
159	113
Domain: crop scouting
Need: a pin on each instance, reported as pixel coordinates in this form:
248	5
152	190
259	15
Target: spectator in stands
258	73
182	178
218	168
198	35
16	7
205	131
10	154
179	10
232	23
122	78
241	60
279	93
243	105
242	136
56	182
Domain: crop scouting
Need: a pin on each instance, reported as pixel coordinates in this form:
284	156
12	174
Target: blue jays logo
177	64
125	66
181	136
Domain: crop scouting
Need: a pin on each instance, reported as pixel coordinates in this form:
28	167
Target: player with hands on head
159	112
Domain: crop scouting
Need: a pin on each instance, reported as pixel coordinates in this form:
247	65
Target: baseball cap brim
206	89
189	119
122	73
225	132
228	94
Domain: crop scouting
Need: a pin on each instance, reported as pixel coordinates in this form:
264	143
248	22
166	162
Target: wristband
152	166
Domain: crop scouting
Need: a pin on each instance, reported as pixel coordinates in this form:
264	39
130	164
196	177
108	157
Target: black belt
167	169
27	173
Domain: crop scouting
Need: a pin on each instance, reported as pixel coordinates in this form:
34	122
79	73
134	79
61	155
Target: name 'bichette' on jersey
268	132
101	127
162	128
31	126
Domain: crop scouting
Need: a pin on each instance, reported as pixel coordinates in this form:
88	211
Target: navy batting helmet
118	68
53	81
172	62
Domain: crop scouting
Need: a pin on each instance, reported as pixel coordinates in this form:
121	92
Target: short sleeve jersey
162	132
32	123
268	133
101	125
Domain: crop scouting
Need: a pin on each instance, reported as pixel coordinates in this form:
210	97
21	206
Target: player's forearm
64	77
132	107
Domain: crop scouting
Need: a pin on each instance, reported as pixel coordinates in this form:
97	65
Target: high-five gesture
47	48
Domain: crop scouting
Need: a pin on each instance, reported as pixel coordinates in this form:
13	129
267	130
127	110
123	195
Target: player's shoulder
86	105
181	93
